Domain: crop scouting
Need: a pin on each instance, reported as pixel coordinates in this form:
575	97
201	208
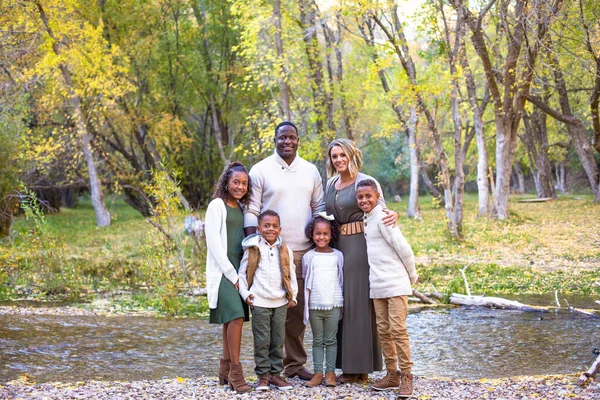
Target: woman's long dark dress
359	351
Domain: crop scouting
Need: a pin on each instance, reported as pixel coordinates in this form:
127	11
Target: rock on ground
539	387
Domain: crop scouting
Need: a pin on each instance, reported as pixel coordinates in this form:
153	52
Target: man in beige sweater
286	183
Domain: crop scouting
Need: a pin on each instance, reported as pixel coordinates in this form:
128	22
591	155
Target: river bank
538	387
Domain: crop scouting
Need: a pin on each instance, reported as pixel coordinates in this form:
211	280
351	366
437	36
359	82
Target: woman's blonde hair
355	157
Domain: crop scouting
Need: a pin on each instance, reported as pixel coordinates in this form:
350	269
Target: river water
454	342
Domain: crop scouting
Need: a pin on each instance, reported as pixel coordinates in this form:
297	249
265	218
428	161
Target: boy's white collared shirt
267	285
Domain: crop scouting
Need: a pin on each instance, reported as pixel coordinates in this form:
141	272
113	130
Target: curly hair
221	186
335	228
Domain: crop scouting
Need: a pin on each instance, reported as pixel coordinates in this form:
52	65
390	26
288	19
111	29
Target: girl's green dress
230	305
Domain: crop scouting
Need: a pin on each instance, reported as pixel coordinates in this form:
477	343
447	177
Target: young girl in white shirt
322	269
224	235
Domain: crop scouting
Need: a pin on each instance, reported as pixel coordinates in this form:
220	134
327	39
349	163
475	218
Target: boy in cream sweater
391	274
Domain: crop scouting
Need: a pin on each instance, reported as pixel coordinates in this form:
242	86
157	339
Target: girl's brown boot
316	380
237	380
330	379
224	371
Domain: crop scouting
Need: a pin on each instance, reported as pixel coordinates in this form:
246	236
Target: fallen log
578	311
493	302
423	298
590	373
540	200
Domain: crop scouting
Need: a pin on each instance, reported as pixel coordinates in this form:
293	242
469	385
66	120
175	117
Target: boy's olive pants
268	328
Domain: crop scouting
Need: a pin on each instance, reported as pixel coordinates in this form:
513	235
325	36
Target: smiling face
237	185
339	159
322	235
269	228
286	143
367	198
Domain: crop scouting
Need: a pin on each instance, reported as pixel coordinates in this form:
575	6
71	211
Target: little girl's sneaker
263	382
279	382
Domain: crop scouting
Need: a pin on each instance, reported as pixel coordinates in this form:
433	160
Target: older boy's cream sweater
391	260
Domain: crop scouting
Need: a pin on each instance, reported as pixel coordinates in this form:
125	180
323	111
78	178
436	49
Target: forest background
146	101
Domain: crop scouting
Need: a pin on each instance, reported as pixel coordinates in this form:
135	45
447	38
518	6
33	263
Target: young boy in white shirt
268	284
391	274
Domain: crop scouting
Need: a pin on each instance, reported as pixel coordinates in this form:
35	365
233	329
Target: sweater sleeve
293	280
243	277
340	257
218	249
317	202
396	239
307	276
255	204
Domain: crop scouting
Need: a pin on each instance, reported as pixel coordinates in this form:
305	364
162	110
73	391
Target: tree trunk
561	177
483	191
509	105
102	214
284	88
321	95
536	141
333	40
520	179
413	210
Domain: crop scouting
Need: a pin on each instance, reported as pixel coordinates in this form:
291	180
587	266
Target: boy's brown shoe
263	382
390	381
279	382
406	387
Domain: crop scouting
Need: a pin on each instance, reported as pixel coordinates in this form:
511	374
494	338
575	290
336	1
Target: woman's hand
237	285
391	217
292	303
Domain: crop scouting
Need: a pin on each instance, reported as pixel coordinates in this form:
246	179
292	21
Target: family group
291	252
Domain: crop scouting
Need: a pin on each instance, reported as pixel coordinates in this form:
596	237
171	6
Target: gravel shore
544	387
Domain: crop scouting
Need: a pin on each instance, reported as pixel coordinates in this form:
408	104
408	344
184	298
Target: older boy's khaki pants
391	325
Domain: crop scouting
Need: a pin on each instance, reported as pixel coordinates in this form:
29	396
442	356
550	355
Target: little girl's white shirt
317	281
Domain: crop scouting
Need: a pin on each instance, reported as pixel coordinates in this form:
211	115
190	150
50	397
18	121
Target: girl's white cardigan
217	263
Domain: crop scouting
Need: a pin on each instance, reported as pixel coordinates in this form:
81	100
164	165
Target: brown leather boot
224	371
236	379
316	380
390	381
406	387
330	379
362	378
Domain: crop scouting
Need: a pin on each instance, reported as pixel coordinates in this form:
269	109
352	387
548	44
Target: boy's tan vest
284	262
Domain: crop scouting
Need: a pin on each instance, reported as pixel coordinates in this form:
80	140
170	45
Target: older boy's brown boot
390	381
330	379
316	380
224	371
406	387
236	379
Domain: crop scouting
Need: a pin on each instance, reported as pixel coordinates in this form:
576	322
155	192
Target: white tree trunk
413	199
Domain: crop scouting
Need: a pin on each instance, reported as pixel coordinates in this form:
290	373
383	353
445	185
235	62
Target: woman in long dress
359	351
